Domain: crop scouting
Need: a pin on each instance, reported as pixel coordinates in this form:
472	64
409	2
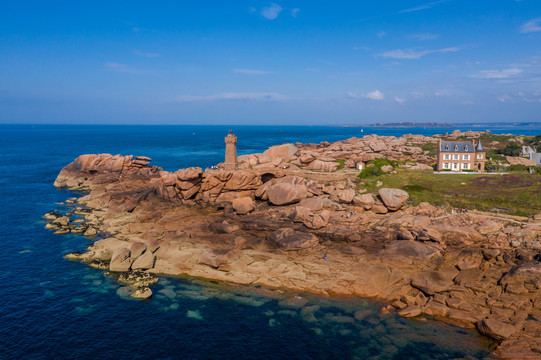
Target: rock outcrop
271	227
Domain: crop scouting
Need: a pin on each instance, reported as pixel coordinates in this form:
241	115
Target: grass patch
516	193
341	163
431	148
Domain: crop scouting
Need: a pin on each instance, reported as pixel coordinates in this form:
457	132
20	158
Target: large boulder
284	151
286	193
310	219
364	200
393	199
495	329
346	196
289	239
144	262
243	205
522	274
320	165
121	260
432	282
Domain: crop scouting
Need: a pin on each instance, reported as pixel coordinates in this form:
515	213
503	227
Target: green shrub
382	162
518	167
370	172
512	149
341	163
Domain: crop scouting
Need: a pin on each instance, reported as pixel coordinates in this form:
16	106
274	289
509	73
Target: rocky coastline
293	217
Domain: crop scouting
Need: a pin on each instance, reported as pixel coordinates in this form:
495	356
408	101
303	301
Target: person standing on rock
325	256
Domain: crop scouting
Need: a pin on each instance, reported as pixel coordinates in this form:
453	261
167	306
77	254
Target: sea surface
52	308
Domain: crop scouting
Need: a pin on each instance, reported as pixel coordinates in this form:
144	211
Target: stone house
531	154
460	156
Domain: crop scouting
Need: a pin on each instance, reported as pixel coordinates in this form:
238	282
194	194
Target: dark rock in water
142	292
52	215
77	255
98	264
137	278
410	311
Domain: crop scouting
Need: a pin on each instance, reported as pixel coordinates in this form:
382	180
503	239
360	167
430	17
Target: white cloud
372	95
146	54
498	74
422	36
410	54
400	100
531	26
294	12
423	7
230	96
251	72
417	94
364	48
271	12
381	34
504	98
113	66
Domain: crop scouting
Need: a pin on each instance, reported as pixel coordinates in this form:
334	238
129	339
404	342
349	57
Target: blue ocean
52	308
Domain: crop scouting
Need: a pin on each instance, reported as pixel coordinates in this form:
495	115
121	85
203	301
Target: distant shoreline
444	125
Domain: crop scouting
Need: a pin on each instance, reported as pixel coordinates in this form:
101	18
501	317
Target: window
446	165
465	165
456	147
465	147
465	157
456	157
455	166
479	156
446	157
446	147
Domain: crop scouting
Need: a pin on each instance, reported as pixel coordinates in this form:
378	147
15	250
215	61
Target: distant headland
444	125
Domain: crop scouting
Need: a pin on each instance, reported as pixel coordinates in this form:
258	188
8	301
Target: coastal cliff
284	221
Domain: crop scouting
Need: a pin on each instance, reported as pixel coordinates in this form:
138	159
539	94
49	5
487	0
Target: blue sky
261	62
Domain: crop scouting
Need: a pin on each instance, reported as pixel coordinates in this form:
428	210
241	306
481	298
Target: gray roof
479	147
457	146
536	157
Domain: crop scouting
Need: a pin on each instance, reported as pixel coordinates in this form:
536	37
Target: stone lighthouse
230	162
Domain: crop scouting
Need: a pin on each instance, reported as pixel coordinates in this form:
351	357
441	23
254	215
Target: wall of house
465	161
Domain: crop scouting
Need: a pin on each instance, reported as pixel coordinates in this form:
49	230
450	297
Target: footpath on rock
260	225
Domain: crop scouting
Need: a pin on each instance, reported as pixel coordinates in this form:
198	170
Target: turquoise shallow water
54	308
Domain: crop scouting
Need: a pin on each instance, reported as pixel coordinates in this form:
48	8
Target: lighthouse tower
230	162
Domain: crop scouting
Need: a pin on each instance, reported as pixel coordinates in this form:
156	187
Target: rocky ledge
286	228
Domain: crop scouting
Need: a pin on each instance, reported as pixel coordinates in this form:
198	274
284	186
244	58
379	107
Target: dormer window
446	147
456	147
465	147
